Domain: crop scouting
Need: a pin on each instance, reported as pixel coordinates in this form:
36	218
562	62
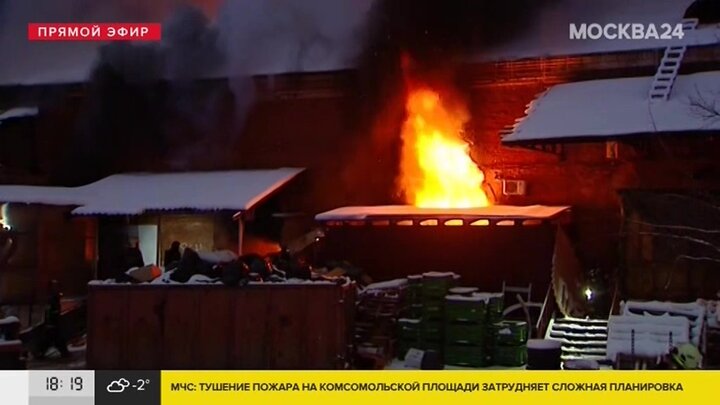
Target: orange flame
436	168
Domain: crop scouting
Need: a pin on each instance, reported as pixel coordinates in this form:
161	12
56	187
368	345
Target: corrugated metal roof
134	194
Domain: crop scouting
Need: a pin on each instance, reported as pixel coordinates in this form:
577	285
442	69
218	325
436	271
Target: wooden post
241	230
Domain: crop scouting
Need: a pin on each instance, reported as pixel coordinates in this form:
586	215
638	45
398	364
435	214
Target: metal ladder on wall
670	65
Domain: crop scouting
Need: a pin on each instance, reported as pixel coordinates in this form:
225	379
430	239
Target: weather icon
118	386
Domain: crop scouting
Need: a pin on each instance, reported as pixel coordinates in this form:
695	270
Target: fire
436	168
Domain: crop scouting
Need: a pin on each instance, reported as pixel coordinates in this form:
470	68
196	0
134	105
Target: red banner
94	32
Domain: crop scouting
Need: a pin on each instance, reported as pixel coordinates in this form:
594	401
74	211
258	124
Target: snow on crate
9	320
397	283
475	297
438	274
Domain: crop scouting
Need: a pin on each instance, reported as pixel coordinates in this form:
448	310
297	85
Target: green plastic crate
464	311
510	356
465	333
465	356
409	329
494	307
433	310
437	287
511	333
432	331
415	310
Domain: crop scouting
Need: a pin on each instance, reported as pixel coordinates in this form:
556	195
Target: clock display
54	383
62	383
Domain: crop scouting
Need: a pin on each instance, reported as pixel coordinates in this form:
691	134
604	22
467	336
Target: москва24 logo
626	31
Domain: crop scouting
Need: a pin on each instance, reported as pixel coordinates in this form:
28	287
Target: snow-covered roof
313	36
618	107
134	194
408	211
18	112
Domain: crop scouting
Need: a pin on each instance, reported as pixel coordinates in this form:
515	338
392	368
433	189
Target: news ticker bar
45	387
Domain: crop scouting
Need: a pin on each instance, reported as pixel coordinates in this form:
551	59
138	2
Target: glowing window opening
480	222
429	222
454	222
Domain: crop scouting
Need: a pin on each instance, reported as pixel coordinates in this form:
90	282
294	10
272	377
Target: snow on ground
133	194
616	107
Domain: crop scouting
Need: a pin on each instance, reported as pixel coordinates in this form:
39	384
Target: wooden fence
273	326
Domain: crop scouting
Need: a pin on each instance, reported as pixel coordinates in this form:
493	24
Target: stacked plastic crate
466	327
410	326
435	287
495	304
379	308
511	343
